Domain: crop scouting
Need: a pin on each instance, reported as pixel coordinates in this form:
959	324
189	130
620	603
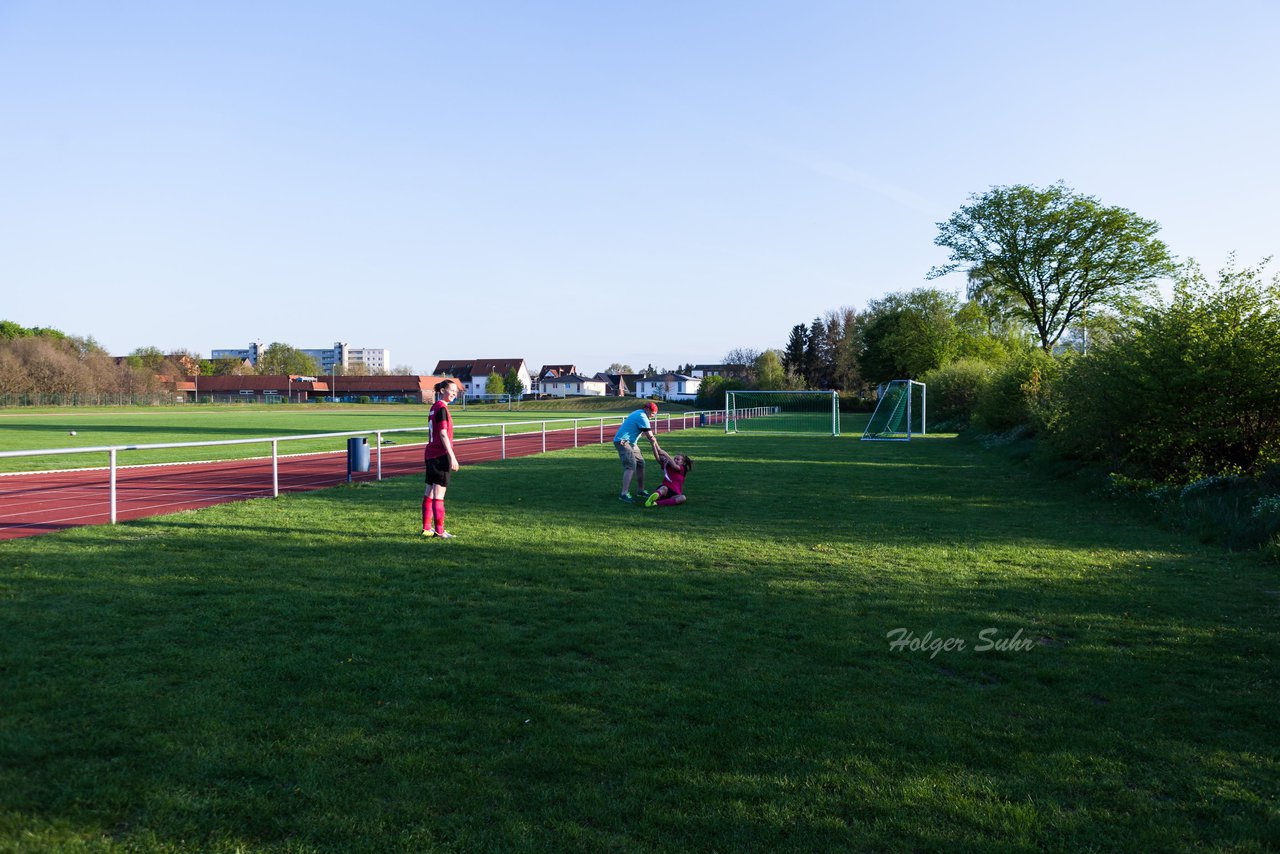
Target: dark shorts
438	471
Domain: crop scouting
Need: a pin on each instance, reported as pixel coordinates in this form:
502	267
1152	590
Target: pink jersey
441	422
673	478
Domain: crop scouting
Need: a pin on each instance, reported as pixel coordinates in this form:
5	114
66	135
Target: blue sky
586	182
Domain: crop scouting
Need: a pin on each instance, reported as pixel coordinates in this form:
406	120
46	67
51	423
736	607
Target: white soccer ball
72	433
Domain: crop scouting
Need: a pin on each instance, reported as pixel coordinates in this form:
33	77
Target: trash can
357	455
702	419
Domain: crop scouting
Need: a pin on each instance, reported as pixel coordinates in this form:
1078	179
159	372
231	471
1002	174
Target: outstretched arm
658	453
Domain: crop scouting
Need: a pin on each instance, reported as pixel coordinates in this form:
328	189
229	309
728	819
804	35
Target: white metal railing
686	420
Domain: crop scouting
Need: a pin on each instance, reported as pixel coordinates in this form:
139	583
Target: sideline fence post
378	434
544	437
112	452
504	441
575	432
602	430
275	468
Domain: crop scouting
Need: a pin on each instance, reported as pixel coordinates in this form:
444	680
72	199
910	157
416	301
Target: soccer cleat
428	534
626	496
651	500
444	535
644	493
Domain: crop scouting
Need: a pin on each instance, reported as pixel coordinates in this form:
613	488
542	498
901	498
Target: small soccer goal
782	412
899	414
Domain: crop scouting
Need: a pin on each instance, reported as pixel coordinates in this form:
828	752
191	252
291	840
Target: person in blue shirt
627	442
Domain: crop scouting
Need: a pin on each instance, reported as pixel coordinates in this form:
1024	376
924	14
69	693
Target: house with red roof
473	374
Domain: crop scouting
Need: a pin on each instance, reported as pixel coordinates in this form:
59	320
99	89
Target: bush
1234	511
1192	392
711	391
1016	392
364	398
954	390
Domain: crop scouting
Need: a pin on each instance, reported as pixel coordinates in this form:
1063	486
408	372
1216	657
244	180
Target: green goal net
782	412
899	414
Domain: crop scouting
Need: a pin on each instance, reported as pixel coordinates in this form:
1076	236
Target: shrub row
1189	394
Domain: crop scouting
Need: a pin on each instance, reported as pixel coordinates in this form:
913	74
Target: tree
619	368
843	340
769	371
745	356
817	362
797	344
494	384
908	334
230	366
1054	254
280	358
403	370
512	385
146	357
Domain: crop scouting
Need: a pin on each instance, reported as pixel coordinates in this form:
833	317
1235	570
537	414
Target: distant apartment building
255	350
375	359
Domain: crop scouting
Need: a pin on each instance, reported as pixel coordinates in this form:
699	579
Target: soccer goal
782	412
899	414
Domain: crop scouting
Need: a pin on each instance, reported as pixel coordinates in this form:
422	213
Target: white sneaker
444	535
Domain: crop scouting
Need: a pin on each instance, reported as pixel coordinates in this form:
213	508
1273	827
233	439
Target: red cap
651	406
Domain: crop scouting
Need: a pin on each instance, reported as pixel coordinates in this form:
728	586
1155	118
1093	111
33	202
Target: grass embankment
573	673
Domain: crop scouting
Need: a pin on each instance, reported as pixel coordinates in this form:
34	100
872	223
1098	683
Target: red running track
41	502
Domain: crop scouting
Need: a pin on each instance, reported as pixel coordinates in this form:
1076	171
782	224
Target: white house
574	385
668	387
473	374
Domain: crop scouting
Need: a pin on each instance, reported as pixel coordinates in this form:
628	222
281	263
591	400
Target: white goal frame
899	436
733	408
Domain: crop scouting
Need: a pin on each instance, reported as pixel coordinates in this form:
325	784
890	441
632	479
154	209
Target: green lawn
573	673
100	427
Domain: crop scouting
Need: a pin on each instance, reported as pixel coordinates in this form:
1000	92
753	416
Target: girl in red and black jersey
440	459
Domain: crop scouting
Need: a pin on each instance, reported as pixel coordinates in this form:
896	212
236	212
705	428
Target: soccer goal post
782	412
900	413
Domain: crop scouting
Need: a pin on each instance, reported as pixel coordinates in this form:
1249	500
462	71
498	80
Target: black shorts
438	471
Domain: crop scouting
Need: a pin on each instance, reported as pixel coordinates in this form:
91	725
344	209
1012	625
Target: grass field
100	427
573	673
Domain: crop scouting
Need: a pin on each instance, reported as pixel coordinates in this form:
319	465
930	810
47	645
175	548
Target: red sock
426	514
668	502
439	508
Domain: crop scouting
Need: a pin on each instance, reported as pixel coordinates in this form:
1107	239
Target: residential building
255	349
341	355
622	385
575	385
374	359
549	372
473	374
738	372
668	386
